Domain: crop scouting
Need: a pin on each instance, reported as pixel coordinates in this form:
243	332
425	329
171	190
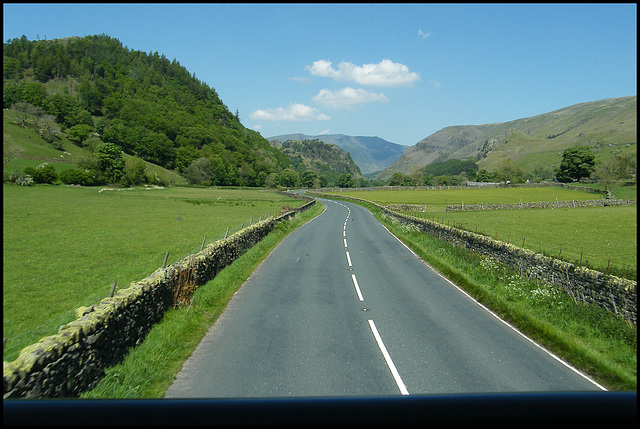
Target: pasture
64	247
601	237
436	200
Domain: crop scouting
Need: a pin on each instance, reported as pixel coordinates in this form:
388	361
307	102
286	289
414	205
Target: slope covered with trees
145	104
312	158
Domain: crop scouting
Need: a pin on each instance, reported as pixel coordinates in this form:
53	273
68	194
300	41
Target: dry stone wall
74	360
541	205
615	294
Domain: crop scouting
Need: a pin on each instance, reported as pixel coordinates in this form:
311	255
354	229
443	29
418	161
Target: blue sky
397	71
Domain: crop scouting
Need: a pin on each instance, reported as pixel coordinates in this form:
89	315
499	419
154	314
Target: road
343	308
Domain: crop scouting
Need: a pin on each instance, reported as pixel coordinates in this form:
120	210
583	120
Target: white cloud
325	132
423	34
435	84
385	73
347	97
293	112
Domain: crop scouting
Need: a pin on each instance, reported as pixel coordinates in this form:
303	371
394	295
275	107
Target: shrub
19	178
45	173
76	176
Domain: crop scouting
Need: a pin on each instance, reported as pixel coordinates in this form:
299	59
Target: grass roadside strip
150	368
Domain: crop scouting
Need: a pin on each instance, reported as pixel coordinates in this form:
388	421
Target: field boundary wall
469	185
616	295
540	205
75	359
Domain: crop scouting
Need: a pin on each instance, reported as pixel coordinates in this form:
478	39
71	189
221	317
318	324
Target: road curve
343	308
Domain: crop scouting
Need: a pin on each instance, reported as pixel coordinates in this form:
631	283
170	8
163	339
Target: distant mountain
607	126
371	154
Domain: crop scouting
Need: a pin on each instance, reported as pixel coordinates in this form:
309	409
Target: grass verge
150	368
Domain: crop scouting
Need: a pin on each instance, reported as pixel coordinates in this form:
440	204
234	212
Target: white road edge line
553	356
387	358
355	283
348	258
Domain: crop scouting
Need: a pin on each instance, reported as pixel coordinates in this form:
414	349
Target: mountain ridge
535	142
370	153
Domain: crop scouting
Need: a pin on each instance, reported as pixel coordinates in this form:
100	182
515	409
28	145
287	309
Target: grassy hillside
28	149
608	127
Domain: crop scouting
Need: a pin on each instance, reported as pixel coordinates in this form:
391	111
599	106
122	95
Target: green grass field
64	247
436	200
601	236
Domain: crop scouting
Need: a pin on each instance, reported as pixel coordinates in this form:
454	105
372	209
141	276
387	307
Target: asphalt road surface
343	308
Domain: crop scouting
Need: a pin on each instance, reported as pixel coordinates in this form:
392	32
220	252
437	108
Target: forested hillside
327	161
371	154
144	103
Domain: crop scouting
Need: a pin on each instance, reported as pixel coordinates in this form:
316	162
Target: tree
577	162
198	172
272	180
288	178
397	179
615	169
308	178
110	162
345	181
79	133
509	172
485	176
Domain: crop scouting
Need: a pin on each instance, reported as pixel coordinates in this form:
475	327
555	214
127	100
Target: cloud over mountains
385	73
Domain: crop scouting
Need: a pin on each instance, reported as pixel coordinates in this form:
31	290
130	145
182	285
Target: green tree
198	172
79	133
288	178
577	162
272	180
485	176
308	178
614	170
110	162
509	172
397	179
185	155
345	181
